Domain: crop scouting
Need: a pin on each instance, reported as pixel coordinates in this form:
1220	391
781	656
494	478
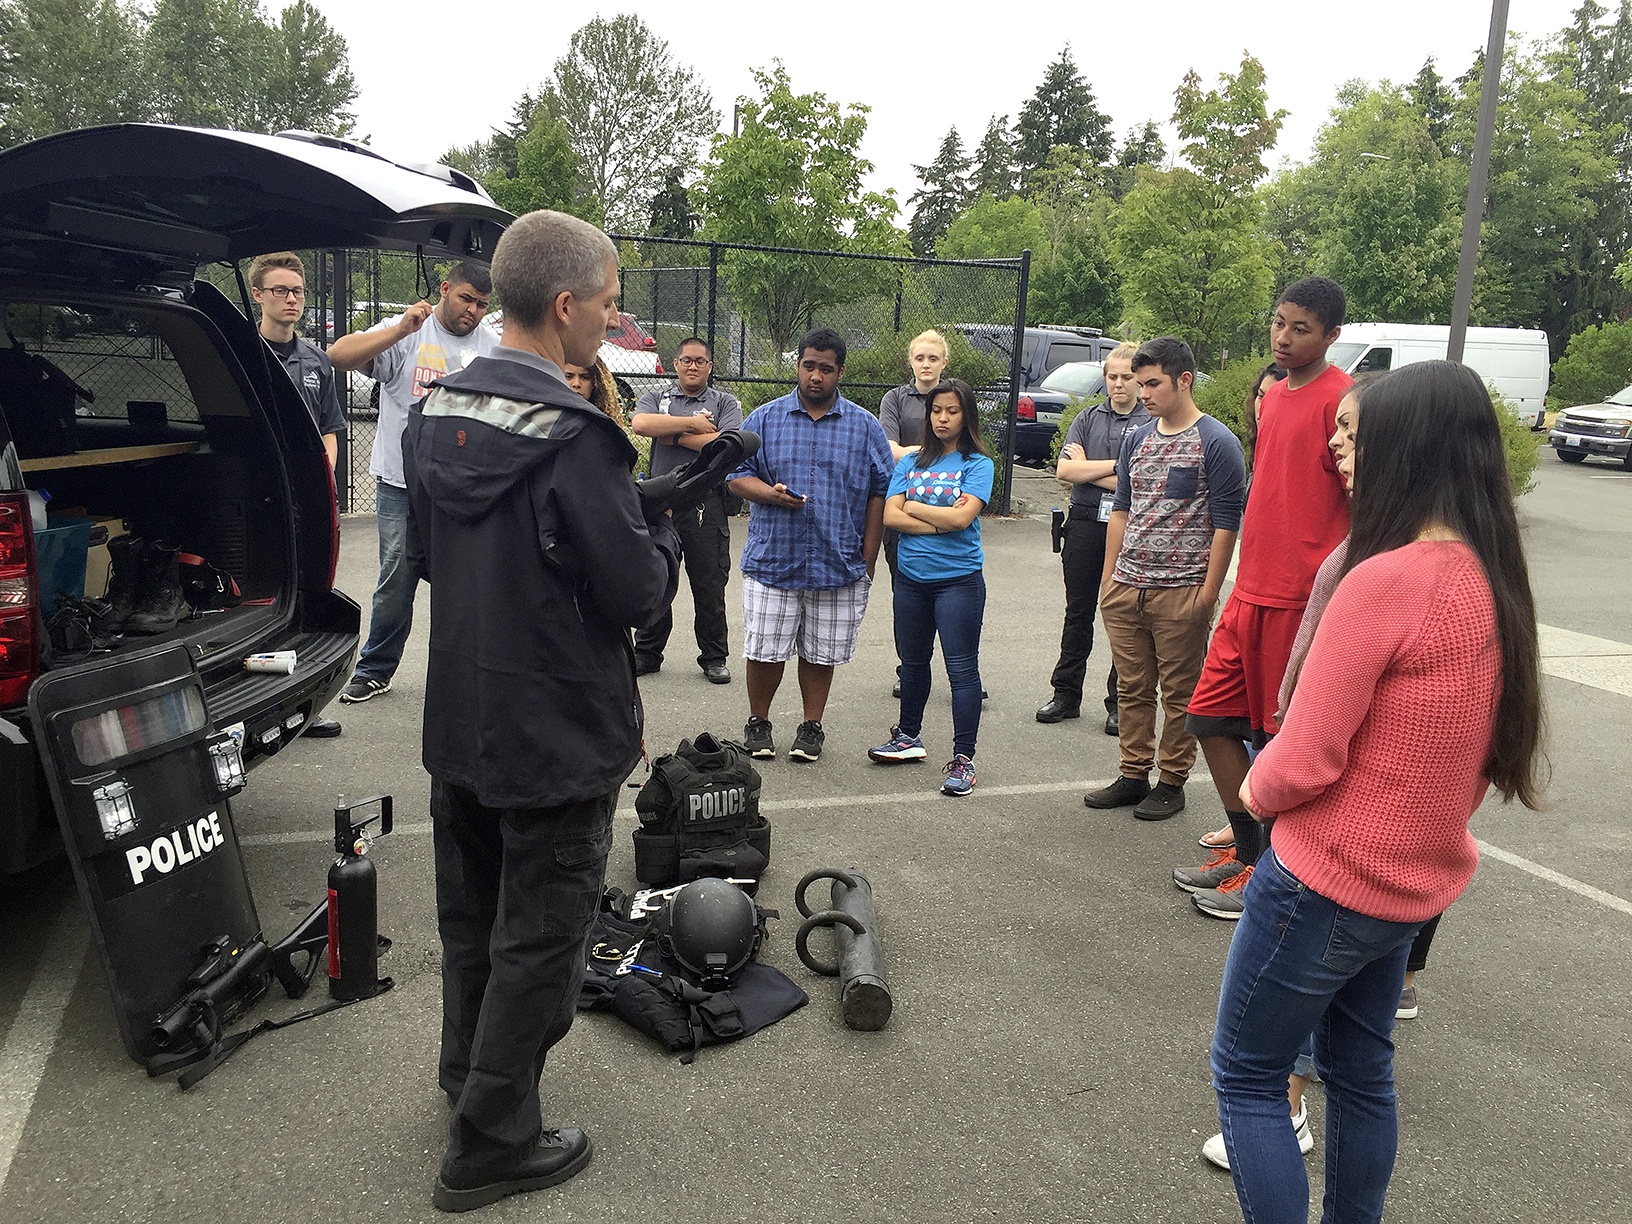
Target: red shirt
1381	762
1297	510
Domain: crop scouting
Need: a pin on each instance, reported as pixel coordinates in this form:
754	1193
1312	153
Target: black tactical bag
699	816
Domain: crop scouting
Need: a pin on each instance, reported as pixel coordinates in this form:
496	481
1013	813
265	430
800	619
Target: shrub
1596	363
1520	442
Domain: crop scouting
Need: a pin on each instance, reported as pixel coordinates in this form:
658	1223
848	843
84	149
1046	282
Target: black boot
125	552
160	604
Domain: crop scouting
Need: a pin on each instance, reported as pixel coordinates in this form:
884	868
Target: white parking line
1607	900
1594	661
33	1032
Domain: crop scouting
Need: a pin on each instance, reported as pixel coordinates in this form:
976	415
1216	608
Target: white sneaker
1214	1153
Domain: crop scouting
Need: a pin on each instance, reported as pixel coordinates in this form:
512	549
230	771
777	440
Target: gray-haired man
525	521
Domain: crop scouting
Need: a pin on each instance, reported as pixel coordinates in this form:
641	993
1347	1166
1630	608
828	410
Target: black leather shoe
321	728
645	667
717	673
1113	723
896	691
1058	710
1124	792
559	1154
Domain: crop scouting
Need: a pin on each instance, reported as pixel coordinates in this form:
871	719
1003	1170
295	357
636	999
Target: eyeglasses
284	291
692	361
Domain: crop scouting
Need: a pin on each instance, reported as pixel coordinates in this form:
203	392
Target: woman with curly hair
596	384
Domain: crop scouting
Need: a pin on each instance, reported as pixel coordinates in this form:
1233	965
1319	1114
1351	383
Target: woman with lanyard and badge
1088	464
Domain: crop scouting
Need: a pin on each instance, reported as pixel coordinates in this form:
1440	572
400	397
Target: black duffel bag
699	816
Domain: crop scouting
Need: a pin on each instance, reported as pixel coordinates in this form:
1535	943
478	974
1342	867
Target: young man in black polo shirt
1088	464
680	420
277	282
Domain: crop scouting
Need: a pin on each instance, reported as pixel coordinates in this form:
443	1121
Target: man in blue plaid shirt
817	487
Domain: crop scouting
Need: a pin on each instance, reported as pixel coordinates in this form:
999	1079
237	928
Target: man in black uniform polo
680	420
525	522
277	282
1088	464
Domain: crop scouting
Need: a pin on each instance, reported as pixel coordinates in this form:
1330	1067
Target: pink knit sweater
1381	762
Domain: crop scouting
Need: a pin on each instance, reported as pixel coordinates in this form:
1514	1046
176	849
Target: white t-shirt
405	372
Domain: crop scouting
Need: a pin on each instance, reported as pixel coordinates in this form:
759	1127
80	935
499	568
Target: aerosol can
354	904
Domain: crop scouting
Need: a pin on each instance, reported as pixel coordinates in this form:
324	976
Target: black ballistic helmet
711	929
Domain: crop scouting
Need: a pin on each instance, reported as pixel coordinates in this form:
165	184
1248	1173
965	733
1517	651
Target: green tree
1074	279
793	177
68	64
993	172
944	194
996	229
1549	166
546	174
1389	206
1143	147
220	63
622	95
1194	259
671	211
1062	111
1596	363
1431	99
309	83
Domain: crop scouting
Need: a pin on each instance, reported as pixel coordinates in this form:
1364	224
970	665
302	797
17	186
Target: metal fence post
713	288
340	312
1012	416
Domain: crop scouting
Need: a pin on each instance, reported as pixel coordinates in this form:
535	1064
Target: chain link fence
751	304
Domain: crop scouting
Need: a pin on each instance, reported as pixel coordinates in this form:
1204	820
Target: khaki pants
1158	636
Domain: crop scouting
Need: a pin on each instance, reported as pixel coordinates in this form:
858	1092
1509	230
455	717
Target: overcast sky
434	74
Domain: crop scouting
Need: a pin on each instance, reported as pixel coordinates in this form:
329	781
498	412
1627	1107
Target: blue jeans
954	608
1301	964
393	613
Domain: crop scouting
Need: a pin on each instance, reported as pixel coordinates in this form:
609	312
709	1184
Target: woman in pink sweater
1421	690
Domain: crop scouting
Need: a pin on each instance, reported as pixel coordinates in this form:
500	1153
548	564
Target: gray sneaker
1407	1009
1210	874
1225	900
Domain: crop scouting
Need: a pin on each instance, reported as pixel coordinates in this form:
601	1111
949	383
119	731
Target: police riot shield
141	781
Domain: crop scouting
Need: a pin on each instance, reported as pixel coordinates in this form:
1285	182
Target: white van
1514	360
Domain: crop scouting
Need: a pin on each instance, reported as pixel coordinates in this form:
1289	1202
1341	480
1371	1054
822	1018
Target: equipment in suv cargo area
140	399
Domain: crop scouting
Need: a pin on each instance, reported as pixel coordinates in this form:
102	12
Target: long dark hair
1429	452
932	448
1270	373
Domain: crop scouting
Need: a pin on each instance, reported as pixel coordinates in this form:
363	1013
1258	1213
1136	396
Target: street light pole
1478	175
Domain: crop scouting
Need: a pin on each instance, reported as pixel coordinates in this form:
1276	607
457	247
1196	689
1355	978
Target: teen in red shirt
1421	689
1297	512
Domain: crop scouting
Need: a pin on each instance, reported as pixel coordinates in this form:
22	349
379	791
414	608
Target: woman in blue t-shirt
934	501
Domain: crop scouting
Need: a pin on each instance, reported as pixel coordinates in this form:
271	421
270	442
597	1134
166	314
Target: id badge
1105	504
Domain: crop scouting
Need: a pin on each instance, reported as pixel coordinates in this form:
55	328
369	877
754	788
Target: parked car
1514	360
1043	350
1595	429
635	370
629	334
193	436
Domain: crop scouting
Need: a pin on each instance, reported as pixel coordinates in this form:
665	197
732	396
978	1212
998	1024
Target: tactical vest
699	816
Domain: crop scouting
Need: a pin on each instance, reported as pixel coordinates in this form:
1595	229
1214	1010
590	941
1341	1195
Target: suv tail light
19	611
648	342
1026	409
660	365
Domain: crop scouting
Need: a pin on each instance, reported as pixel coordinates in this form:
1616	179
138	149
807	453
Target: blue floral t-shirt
933	558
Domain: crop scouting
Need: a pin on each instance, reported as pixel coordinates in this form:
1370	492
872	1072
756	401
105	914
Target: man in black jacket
525	522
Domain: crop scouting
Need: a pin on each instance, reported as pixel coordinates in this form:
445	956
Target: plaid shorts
819	626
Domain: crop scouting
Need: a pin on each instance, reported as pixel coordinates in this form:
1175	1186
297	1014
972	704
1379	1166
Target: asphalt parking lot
1054	993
